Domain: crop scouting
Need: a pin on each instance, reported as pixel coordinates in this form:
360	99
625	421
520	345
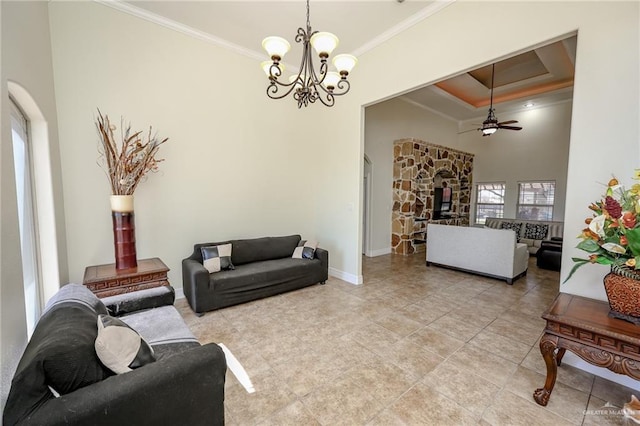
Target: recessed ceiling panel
522	67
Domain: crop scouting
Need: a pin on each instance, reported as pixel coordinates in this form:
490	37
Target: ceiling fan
491	124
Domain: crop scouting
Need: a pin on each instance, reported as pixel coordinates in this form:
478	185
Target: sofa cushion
266	248
305	250
516	226
535	231
119	347
217	258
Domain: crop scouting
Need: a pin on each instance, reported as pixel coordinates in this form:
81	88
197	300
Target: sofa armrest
323	255
187	388
150	298
195	279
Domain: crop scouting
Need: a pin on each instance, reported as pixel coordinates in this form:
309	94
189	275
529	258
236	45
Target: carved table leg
548	345
559	356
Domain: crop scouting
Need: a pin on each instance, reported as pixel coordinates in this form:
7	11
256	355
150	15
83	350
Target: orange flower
629	220
593	258
588	220
613	182
623	241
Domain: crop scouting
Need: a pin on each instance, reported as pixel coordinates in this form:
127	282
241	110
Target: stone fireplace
424	173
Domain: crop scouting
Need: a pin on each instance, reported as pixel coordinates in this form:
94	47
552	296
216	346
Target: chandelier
308	85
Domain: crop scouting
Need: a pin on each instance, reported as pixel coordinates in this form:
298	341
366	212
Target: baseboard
345	276
179	293
379	252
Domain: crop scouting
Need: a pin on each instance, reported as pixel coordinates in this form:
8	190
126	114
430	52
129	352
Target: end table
105	280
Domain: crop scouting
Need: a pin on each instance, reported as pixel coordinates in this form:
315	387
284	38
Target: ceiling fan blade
508	122
466	131
509	127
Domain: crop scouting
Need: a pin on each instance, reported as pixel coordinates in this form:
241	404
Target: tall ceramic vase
124	231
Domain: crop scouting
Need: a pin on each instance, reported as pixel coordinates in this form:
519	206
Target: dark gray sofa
263	267
185	385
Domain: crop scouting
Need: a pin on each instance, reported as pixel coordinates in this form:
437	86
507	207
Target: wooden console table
583	326
105	280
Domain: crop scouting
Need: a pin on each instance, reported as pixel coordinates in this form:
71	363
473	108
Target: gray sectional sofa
546	230
263	267
184	385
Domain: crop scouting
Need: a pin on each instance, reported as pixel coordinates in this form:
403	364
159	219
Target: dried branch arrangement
128	162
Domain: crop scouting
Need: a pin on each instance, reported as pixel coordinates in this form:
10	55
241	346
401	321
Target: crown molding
428	11
181	28
138	12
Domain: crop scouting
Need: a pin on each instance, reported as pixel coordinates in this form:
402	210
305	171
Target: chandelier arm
274	88
331	100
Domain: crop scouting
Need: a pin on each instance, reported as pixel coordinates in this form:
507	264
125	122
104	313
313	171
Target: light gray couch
490	252
554	230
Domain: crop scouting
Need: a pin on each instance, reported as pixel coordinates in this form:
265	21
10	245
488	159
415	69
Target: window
489	201
26	214
535	200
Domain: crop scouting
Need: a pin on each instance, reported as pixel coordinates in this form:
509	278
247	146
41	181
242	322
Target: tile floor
412	345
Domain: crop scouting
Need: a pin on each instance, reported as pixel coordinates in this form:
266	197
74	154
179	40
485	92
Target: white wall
384	123
26	61
238	165
540	151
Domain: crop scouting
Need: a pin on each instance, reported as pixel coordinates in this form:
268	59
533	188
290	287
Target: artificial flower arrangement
612	235
126	163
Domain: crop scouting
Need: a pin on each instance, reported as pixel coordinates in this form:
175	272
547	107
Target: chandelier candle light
308	85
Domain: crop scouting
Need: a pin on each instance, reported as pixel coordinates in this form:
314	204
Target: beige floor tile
373	336
612	392
469	390
523	333
293	414
412	358
422	405
510	409
270	396
387	418
565	401
461	330
435	341
343	401
602	413
476	360
500	345
399	324
382	380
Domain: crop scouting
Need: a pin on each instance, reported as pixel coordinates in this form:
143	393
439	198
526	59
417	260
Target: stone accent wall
416	167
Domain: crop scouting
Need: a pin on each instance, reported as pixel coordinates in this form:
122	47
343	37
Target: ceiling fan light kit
491	124
308	85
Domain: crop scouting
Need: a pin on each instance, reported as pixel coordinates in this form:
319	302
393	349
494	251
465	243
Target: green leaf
604	261
579	263
589	246
633	237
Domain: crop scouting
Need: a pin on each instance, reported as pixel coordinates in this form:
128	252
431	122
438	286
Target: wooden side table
583	326
105	280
